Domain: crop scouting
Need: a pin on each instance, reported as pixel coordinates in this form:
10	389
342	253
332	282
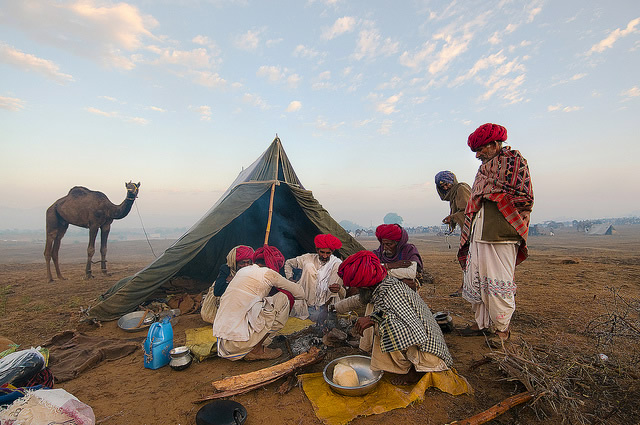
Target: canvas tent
266	195
601	229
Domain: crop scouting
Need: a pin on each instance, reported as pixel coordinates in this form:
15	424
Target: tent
266	202
601	229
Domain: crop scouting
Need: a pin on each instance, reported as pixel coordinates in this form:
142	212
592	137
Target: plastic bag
20	366
209	307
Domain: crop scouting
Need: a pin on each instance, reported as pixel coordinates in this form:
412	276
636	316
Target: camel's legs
91	249
56	249
104	235
55	231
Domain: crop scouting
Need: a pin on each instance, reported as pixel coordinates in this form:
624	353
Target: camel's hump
78	191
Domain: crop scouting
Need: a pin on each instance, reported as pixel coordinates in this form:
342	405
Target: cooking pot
221	412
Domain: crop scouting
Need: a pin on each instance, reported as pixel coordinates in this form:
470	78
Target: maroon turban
272	257
361	269
389	231
327	241
486	134
244	253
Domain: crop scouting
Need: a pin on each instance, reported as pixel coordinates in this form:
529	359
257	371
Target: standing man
494	235
399	257
458	195
320	280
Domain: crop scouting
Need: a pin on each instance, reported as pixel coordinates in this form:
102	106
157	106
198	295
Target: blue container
158	344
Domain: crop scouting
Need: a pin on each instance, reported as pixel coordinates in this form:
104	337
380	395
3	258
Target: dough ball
345	376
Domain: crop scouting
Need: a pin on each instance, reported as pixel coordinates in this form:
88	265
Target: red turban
327	241
389	231
273	258
244	253
361	269
486	134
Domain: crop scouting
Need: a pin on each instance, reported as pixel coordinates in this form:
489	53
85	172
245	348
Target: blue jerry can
158	344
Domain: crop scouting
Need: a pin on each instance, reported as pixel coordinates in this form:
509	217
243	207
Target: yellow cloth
335	409
294	325
201	342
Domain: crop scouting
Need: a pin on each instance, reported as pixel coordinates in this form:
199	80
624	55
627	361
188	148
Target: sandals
469	331
498	342
456	294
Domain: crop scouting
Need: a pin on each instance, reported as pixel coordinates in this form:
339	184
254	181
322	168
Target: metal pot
222	412
444	320
180	358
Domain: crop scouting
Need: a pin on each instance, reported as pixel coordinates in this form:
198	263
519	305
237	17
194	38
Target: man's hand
335	288
447	219
402	264
228	279
363	323
410	283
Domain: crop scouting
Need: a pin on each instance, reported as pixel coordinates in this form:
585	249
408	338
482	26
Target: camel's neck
123	209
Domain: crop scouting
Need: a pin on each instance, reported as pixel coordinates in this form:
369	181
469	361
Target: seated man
320	281
407	340
239	257
400	258
247	315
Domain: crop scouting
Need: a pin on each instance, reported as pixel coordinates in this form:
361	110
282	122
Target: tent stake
266	236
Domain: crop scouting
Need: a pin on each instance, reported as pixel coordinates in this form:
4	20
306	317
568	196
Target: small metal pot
222	412
444	320
180	358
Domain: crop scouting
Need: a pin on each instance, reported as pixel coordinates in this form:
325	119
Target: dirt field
562	287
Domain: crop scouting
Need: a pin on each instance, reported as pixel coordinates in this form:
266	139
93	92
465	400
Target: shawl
506	181
238	253
404	251
324	273
404	319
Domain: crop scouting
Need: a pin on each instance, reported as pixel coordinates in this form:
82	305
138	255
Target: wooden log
224	394
259	377
496	410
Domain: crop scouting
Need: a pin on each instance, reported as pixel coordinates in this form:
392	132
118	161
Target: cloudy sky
370	99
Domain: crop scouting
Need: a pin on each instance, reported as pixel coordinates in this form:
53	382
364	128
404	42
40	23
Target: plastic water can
158	344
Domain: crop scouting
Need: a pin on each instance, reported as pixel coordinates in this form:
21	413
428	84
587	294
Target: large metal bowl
368	378
129	322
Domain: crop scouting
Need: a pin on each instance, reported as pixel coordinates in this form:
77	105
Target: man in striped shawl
494	235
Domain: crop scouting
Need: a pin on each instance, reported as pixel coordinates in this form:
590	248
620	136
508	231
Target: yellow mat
201	342
294	325
335	409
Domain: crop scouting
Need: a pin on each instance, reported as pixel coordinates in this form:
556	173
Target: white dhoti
274	312
400	362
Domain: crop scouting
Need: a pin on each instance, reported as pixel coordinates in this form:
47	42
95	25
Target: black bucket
221	412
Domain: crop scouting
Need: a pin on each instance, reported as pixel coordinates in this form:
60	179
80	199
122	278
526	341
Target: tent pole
273	191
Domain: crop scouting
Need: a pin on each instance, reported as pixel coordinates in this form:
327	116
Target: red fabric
273	258
486	134
244	253
361	269
327	241
389	231
289	296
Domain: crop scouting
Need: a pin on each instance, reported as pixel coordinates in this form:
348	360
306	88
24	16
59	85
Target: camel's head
132	190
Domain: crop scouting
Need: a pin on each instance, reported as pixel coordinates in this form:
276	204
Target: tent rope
144	230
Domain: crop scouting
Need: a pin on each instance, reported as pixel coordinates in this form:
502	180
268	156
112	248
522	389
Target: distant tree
392	218
349	226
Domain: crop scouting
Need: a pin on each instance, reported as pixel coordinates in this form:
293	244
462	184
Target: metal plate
129	321
362	365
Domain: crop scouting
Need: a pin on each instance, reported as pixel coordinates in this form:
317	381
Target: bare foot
409	378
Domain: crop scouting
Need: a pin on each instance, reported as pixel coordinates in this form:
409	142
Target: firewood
496	410
260	377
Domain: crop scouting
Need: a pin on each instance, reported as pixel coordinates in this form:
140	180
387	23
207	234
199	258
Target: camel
89	209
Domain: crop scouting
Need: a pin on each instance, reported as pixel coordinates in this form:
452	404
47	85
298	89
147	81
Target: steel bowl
129	322
368	378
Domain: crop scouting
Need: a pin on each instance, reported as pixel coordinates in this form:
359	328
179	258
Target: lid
221	412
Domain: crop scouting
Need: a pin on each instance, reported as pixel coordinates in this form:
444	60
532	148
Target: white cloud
339	27
559	108
204	111
28	62
294	106
11	103
393	83
255	100
362	123
632	92
293	80
115	114
578	76
97	111
273	42
532	14
157	109
614	36
97	30
203	40
248	41
385	127
193	59
452	48
491	61
275	74
323	124
208	79
137	120
302	51
388	106
370	44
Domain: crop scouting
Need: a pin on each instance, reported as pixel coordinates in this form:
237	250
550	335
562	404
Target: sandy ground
561	288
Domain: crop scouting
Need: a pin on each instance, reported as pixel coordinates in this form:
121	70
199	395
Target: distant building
600	229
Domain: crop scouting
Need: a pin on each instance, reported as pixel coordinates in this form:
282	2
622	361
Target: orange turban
273	258
486	134
362	269
327	241
389	231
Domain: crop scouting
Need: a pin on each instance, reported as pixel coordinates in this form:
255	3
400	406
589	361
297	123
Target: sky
369	98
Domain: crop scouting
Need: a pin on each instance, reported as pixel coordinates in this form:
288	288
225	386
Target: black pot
222	412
